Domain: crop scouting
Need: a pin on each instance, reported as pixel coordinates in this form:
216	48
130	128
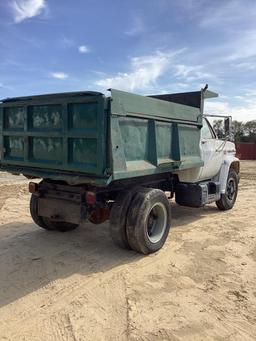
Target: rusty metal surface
99	215
59	210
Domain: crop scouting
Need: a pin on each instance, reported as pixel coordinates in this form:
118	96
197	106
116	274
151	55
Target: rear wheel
47	223
117	220
148	221
34	213
228	199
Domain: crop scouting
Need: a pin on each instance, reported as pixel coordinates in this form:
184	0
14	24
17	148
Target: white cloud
192	73
222	14
182	85
137	26
243	112
243	47
248	65
234	20
145	71
166	72
59	75
251	93
5	87
24	9
83	49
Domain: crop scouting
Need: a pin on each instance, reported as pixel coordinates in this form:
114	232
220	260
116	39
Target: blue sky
146	47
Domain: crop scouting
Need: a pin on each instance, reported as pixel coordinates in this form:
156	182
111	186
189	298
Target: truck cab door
211	152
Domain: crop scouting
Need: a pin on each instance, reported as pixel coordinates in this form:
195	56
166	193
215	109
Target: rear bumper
61	202
62	210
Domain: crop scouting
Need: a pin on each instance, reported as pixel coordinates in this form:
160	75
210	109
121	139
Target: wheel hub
231	189
156	224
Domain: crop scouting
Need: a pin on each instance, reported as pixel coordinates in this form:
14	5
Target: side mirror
227	126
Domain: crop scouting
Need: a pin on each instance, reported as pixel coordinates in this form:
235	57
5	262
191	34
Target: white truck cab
217	180
212	151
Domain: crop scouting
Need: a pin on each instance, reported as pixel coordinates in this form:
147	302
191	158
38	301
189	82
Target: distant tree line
241	132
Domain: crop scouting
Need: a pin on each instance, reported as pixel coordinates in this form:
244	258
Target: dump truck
119	158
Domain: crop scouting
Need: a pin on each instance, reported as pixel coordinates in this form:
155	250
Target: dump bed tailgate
62	132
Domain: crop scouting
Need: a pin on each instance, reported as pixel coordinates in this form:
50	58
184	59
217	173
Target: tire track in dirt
11	190
78	286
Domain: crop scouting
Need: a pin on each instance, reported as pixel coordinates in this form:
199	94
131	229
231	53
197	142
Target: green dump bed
88	138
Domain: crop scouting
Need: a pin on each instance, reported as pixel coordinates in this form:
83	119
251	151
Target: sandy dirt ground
79	286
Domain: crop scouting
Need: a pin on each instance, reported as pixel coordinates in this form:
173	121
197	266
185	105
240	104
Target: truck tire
117	219
148	221
227	200
34	213
47	223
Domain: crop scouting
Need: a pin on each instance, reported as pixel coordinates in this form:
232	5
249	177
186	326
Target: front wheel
148	221
227	200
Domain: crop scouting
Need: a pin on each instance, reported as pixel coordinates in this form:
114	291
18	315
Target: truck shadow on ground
31	258
182	215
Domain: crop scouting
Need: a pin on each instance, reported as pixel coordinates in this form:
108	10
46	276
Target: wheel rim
156	222
231	189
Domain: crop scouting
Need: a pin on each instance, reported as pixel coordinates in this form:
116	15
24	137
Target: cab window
206	131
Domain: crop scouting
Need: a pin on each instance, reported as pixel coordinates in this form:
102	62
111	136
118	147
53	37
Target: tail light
90	198
33	187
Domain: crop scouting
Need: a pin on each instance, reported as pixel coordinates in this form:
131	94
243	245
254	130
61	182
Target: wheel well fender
226	166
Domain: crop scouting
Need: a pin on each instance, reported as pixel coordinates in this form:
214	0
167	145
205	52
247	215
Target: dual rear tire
141	220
